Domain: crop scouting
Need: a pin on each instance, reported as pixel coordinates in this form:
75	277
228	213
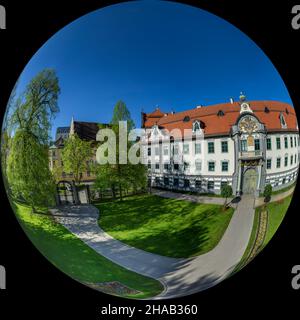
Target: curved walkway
179	276
276	197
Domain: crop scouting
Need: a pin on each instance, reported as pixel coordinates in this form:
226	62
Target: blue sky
148	54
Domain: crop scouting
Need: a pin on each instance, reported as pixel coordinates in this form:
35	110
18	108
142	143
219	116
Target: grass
75	258
169	227
284	189
276	212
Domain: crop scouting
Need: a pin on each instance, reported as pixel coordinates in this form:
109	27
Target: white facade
247	159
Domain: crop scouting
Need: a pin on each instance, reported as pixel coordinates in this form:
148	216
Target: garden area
168	227
75	258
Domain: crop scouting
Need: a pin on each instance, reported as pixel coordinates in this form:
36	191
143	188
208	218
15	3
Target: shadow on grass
169	227
75	258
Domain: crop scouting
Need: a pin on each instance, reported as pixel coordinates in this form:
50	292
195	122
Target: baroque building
246	144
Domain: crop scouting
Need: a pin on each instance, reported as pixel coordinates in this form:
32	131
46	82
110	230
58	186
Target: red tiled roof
221	125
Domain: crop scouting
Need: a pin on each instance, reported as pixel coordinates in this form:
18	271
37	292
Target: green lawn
75	258
277	211
168	227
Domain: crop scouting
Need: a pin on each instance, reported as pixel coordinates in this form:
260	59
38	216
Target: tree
75	155
29	120
121	113
268	192
35	109
121	176
28	171
226	192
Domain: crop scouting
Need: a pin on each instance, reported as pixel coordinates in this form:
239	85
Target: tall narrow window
278	144
285	161
269	144
198	165
278	163
291	140
211	166
257	144
243	145
224	166
286	142
197	148
211	147
269	164
224	146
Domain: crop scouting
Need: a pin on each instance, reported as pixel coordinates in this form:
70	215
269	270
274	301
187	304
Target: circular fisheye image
150	150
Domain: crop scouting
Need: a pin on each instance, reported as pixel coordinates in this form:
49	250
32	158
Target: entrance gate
249	181
65	193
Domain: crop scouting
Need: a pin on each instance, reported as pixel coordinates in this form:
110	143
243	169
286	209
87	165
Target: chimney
231	100
200	106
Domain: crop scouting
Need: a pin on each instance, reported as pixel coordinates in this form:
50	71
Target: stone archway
250	178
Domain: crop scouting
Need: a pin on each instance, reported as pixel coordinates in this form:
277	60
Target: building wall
55	162
277	177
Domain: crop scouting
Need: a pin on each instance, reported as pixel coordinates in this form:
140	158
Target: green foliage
26	145
28	172
121	113
75	155
34	110
226	191
268	191
121	176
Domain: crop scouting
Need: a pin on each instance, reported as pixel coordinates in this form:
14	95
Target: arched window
196	126
282	120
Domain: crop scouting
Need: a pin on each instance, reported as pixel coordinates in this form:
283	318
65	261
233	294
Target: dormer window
186	119
220	113
196	126
267	110
286	111
282	121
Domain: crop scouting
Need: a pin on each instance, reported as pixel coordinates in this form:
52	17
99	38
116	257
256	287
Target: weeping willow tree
28	173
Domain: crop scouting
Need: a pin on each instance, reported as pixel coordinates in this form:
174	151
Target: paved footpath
276	197
190	197
179	276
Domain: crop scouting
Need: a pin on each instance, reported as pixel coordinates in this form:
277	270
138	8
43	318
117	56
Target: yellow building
85	131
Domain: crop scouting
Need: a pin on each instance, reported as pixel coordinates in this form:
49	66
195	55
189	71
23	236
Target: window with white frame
211	147
282	120
224	165
197	148
198	165
211	166
224	146
278	163
286	142
269	164
286	161
278	143
196	126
